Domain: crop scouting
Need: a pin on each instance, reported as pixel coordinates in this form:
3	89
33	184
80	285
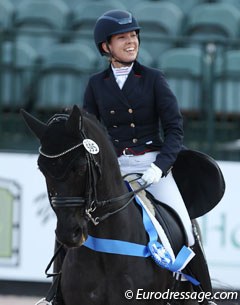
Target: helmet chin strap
125	63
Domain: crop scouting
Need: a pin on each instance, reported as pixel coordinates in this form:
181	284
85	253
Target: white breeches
165	190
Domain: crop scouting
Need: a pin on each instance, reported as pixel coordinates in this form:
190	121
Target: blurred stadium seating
41	23
235	3
185	5
18	66
47	54
183	69
227	84
159	32
214	22
7	11
63	76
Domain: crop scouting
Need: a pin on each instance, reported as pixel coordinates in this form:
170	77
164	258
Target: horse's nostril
78	237
76	233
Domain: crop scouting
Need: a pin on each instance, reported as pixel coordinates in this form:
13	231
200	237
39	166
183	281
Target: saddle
167	217
170	222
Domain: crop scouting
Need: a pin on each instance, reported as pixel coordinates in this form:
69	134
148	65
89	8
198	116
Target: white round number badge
91	146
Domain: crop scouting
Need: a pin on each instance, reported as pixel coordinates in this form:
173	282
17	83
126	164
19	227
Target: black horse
90	198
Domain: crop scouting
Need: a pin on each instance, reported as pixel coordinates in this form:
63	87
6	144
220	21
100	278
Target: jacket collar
137	69
129	86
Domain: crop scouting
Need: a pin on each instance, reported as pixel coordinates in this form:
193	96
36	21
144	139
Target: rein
113	205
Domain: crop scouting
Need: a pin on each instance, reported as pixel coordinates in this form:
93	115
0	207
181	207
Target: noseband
90	203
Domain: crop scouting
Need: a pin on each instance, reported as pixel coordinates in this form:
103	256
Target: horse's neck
111	185
126	225
107	192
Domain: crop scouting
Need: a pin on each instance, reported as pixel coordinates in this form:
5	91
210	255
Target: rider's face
123	47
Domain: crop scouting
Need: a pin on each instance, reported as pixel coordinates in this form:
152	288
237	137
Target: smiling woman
123	48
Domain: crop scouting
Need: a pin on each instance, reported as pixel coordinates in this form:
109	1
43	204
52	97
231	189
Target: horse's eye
79	168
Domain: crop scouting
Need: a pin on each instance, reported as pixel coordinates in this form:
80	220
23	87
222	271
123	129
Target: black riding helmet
111	23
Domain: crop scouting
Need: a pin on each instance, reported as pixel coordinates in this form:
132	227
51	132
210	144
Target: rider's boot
198	268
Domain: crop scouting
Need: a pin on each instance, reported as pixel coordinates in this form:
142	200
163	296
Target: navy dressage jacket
143	116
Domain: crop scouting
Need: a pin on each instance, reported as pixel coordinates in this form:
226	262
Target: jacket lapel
129	87
131	84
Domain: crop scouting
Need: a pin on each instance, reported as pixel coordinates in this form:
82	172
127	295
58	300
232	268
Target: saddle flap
200	181
171	224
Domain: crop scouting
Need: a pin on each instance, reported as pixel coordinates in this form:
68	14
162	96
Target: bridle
90	203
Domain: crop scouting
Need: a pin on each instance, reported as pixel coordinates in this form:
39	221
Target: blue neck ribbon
153	249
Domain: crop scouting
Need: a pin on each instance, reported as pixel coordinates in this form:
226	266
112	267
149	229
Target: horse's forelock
58	139
58	168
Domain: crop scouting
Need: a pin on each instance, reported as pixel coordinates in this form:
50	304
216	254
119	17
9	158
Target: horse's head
75	169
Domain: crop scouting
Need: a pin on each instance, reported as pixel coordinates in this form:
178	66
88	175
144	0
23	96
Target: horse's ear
36	126
74	122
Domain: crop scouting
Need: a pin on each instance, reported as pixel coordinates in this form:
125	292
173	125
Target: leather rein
90	202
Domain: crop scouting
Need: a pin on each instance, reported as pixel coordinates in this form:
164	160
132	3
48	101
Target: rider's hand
152	175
